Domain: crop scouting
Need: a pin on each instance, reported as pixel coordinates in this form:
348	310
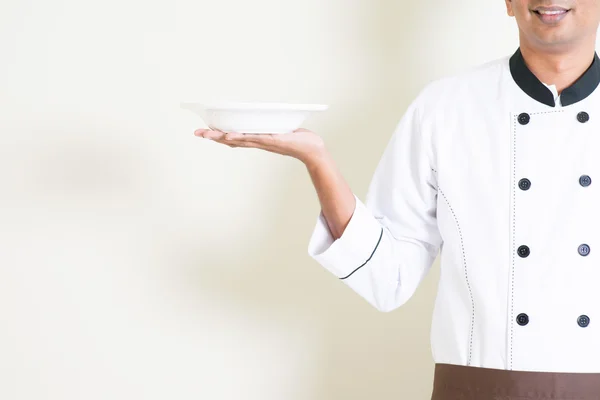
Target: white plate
254	118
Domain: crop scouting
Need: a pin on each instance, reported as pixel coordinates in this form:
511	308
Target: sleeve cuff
353	249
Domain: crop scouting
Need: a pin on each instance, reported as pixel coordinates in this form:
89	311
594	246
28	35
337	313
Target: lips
551	9
551	15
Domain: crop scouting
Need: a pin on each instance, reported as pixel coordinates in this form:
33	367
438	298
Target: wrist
316	159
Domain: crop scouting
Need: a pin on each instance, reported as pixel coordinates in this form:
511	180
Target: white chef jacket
485	170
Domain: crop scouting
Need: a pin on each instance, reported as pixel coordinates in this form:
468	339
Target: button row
524	251
582	117
583	249
583	320
584	180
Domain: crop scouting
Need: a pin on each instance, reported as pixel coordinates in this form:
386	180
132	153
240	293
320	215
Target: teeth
551	12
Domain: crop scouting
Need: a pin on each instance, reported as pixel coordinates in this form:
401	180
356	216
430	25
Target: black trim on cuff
371	256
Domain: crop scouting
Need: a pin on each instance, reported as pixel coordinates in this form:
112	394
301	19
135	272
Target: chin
551	38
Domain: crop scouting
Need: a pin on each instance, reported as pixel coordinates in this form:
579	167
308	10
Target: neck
561	69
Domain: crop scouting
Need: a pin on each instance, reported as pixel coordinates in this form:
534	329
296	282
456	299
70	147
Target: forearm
335	196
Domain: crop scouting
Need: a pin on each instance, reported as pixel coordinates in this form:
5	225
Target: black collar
530	84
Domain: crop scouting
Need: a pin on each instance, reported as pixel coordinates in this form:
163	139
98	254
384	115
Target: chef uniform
496	172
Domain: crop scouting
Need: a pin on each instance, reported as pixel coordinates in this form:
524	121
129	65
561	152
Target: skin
335	196
557	53
301	144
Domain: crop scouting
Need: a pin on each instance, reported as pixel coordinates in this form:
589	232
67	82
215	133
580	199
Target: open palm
301	143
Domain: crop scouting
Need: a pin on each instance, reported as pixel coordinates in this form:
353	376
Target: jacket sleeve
392	238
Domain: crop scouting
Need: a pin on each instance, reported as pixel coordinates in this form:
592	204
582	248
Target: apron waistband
453	382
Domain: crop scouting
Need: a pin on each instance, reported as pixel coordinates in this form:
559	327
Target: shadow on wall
362	353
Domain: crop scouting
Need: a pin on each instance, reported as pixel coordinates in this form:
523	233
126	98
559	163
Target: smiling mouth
551	15
550	10
554	12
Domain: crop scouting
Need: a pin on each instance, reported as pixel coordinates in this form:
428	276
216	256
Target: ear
509	9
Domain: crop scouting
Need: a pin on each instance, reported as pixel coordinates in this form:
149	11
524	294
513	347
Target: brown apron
458	382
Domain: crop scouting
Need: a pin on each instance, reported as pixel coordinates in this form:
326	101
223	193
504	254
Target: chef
497	170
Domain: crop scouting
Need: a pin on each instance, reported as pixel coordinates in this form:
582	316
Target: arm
381	248
336	199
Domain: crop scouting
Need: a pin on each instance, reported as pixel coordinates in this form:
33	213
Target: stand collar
530	84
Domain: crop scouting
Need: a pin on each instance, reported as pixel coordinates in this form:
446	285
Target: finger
241	136
208	133
265	139
214	134
232	135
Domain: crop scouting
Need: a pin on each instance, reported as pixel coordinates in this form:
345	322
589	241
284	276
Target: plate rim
272	106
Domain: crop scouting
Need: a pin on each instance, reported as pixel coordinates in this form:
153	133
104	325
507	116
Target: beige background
140	262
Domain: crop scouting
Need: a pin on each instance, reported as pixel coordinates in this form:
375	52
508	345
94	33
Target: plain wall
140	262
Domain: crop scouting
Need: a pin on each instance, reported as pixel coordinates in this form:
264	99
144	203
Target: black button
523	118
524	184
523	319
583	117
523	251
583	321
584	250
585	180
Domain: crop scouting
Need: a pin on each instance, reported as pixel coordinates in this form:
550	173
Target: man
496	168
